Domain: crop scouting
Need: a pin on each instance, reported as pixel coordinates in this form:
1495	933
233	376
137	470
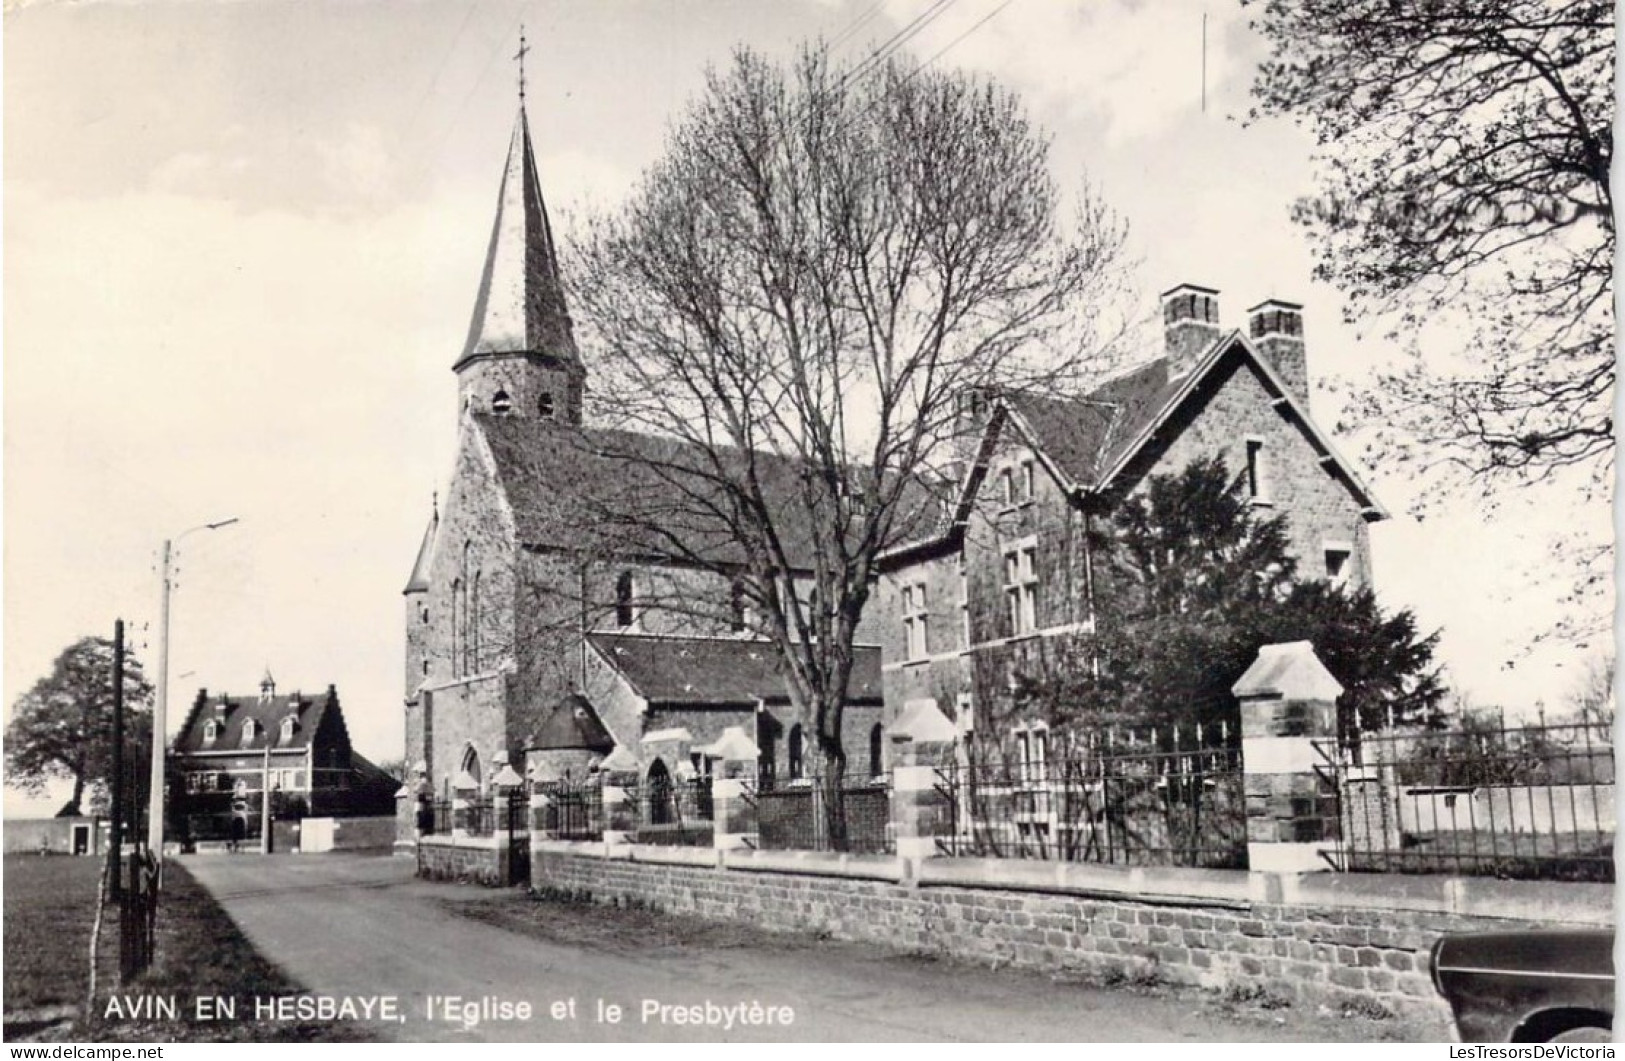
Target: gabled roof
718	671
1090	441
230	713
1085	436
638	494
520	307
573	723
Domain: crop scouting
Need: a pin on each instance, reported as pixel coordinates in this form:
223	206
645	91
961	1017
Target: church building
534	647
534	650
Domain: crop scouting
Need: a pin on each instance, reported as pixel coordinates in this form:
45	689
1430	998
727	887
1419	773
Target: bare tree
787	314
1465	206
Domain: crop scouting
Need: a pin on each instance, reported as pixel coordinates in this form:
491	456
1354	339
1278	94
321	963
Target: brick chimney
1276	330
1190	323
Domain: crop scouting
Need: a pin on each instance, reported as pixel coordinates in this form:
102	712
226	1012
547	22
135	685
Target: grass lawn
49	904
50	901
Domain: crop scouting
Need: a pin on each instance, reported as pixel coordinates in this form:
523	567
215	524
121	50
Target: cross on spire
524	50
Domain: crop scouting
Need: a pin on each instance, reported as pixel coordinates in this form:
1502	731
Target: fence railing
1530	802
574	810
677	811
1174	798
792	814
480	816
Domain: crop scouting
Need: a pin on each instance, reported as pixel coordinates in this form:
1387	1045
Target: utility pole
155	790
265	799
115	828
155	815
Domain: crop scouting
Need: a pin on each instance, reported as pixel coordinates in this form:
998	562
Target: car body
1528	987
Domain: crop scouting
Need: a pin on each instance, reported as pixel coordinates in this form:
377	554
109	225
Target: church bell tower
520	358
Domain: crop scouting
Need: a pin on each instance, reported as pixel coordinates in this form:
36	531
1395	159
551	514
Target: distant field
50	901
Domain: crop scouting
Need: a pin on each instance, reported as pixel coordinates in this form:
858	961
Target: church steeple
520	358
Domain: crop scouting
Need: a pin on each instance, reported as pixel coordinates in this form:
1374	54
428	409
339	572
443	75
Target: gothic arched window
794	764
660	801
475	619
456	627
544	406
501	404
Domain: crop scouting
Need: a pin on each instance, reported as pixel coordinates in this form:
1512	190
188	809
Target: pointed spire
267	684
520	307
419	582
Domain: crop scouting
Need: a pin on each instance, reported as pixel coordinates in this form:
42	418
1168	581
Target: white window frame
1032	752
1021	586
916	620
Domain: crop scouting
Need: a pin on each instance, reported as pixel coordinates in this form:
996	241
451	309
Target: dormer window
251	730
501	404
290	726
211	732
544	406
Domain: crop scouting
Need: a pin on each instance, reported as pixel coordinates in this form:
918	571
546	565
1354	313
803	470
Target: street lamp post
155	811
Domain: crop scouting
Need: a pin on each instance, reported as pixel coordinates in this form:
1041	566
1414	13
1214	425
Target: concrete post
923	744
1288	702
464	789
733	781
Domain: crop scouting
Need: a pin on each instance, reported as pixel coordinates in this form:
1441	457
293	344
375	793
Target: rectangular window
1337	564
964	601
1007	486
1257	473
625	597
1021	589
1027	479
915	616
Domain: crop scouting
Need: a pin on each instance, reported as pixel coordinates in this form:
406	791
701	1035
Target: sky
242	242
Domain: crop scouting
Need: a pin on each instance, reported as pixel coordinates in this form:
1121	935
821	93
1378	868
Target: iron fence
792	815
1173	797
574	810
1524	802
673	811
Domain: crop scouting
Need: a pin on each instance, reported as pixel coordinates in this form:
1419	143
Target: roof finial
524	49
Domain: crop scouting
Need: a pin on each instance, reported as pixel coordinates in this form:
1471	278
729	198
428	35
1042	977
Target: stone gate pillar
923	743
1289	702
464	790
733	780
617	793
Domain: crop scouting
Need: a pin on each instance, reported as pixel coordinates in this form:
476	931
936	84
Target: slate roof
720	671
639	494
232	712
573	723
419	580
1086	436
520	306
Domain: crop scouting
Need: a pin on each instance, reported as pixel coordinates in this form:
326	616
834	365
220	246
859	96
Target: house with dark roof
1011	577
233	751
565	606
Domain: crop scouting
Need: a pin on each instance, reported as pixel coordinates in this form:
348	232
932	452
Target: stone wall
464	862
1359	941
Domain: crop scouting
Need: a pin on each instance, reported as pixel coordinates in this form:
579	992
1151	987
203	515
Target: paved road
364	927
